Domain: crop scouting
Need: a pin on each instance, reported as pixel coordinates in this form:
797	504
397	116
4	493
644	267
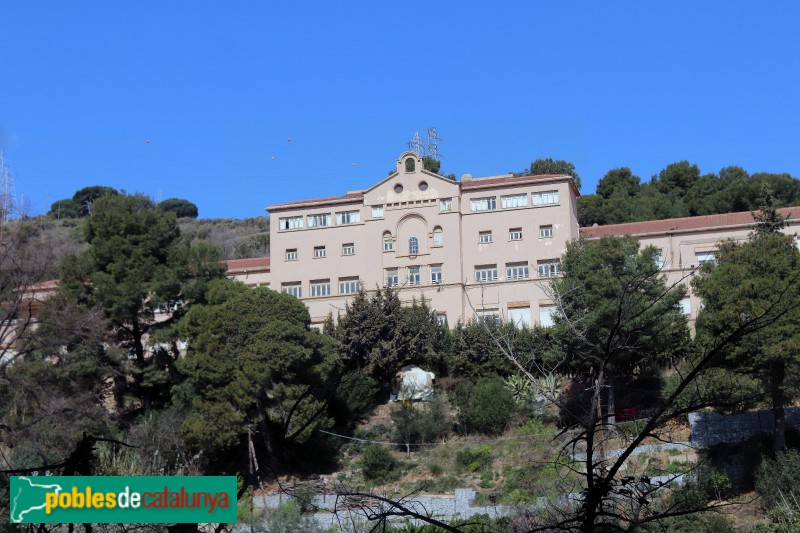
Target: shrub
288	518
379	464
475	459
490	407
776	479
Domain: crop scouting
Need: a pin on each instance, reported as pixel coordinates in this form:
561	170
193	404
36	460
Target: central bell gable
410	182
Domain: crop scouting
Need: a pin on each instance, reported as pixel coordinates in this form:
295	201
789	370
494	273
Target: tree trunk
778	401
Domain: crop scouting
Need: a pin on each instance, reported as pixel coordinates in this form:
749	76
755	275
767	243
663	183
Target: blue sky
219	87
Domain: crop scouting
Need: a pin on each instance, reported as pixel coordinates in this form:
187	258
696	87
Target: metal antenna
415	144
7	189
433	143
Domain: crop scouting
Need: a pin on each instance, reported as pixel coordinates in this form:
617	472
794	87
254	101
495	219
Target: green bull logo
123	499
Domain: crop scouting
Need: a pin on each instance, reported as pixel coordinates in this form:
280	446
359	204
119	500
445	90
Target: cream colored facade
481	246
685	243
472	248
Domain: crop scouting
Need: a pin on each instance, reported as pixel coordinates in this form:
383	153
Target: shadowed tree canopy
680	190
182	208
553	166
268	371
136	263
746	280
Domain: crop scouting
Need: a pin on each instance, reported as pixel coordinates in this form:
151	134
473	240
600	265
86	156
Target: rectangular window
414	277
546	316
388	244
485	236
686	306
514	200
438	237
321	288
705	257
290	223
489	316
293	289
413	246
392	279
349	285
319	251
486	273
515	234
436	274
377	212
483	204
549	268
446	204
545	198
659	259
520	316
517	271
545	231
323	219
441	319
291	254
348	249
348	217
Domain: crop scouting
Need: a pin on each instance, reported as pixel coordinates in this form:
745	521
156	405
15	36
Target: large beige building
479	247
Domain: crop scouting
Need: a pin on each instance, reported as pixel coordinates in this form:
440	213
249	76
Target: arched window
388	242
413	246
410	164
438	236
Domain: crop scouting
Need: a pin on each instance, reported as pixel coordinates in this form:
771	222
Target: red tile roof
252	263
315	201
678	224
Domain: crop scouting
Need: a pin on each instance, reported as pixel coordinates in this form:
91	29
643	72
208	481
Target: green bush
421	424
490	407
379	464
475	459
288	518
776	479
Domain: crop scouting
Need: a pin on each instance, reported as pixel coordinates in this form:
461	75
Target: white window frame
388	243
548	268
520	316
290	223
348	248
546	232
349	285
518	271
486	274
291	254
546	319
413	246
490	316
344	218
545	198
488	203
446	204
484	237
515	234
514	200
392	277
436	274
414	275
319	220
320	252
686	307
320	288
705	257
377	211
293	289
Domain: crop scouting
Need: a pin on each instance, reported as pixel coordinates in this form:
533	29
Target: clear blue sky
219	87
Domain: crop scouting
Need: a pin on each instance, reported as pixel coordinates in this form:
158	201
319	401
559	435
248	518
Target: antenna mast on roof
7	190
415	144
433	144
